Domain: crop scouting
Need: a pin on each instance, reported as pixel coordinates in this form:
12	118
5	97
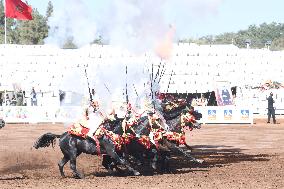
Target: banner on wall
211	114
228	114
64	114
245	114
223	94
225	114
36	114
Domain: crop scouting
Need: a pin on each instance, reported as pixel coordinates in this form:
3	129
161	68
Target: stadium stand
192	69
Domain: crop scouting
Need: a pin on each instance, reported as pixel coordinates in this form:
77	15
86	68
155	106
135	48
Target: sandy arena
237	156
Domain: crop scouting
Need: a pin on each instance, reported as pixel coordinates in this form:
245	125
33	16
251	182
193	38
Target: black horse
72	146
133	149
2	123
173	120
164	145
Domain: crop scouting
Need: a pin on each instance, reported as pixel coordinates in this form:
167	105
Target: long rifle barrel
91	96
170	81
126	92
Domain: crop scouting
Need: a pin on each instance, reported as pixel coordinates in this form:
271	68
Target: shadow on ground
214	156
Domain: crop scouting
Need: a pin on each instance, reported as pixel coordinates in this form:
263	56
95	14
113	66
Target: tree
69	44
278	44
32	32
49	10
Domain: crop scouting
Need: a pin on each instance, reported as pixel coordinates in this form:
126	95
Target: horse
2	123
163	145
72	146
133	143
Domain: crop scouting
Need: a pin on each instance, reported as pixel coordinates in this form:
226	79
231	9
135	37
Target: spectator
270	108
7	100
203	101
13	100
24	98
234	99
19	98
33	97
1	100
194	102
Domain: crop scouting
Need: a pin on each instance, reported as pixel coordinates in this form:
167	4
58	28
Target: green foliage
32	32
257	35
36	30
49	10
69	44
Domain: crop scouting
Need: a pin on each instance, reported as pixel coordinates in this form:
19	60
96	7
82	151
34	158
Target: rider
186	117
129	120
94	118
156	127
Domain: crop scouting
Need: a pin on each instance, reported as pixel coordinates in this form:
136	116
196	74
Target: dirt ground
236	156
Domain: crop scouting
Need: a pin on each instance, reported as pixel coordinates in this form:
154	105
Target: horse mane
115	126
173	114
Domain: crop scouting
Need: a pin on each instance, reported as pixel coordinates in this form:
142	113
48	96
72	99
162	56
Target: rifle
158	71
126	92
91	97
170	81
162	72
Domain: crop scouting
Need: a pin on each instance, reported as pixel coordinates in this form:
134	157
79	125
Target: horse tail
46	140
2	123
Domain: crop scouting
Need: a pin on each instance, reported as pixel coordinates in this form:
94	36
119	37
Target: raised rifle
90	93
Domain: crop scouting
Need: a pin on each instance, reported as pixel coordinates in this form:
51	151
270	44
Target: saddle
78	130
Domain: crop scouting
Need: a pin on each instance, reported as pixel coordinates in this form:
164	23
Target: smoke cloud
136	25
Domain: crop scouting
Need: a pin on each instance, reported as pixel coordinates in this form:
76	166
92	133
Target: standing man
270	108
33	97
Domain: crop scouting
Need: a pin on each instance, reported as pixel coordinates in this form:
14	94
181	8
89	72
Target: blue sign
228	114
212	114
244	114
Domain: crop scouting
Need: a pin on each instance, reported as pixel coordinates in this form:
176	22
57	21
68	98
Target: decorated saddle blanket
78	130
179	138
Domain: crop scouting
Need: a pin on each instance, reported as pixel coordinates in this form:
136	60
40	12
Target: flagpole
5	25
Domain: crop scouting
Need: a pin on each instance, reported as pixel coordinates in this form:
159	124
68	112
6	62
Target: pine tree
32	32
49	10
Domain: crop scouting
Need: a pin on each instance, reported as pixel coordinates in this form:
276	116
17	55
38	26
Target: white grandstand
191	69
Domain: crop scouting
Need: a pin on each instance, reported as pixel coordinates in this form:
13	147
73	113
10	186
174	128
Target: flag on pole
18	10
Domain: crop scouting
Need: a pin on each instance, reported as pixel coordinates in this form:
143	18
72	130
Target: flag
18	10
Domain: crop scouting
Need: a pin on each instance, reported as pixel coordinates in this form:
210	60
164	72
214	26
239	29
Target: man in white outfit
94	118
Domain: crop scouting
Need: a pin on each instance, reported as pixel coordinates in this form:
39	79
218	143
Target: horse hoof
63	176
110	171
199	161
79	176
154	166
139	163
136	173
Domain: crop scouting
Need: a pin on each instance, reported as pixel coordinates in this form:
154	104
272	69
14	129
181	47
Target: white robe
94	121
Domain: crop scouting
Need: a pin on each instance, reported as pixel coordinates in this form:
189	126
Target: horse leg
107	163
188	147
177	149
155	158
76	173
61	164
110	149
165	162
110	165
